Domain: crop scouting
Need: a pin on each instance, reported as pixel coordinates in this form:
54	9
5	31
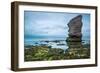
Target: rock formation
75	27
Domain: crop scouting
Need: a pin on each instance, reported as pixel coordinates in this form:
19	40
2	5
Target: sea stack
75	28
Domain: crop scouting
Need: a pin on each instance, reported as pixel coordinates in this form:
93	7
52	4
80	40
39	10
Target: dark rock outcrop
75	28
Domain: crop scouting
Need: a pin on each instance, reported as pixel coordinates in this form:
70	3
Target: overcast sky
51	24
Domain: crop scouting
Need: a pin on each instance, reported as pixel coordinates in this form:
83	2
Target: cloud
50	23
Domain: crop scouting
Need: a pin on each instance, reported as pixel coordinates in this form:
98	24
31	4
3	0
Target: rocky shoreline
46	53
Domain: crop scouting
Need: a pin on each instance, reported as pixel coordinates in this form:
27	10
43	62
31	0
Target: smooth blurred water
52	42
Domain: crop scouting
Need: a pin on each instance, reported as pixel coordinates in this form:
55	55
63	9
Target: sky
52	24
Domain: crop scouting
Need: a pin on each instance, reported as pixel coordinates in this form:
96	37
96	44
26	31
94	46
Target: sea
54	42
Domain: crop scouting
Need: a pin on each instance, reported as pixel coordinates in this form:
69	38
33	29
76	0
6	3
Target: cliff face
75	26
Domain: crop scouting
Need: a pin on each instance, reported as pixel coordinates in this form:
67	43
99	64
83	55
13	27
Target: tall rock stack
75	28
76	49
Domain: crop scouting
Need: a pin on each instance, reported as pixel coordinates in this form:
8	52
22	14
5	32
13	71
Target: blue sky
51	24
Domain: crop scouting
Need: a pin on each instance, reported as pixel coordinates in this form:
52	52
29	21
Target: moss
44	53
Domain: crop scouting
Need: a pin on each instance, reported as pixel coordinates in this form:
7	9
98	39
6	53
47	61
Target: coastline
47	53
